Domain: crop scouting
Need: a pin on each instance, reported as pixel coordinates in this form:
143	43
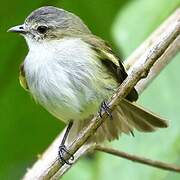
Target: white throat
64	76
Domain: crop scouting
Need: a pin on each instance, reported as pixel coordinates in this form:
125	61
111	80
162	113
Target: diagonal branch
48	166
171	51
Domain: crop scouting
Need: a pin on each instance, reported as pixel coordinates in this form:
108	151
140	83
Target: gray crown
58	18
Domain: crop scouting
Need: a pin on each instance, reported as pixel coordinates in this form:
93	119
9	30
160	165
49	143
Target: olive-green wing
22	78
105	53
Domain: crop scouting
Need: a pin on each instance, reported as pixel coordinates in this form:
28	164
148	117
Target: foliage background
26	129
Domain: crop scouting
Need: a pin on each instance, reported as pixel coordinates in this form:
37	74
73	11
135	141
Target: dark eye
42	29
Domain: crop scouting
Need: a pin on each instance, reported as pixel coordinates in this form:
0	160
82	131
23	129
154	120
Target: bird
72	73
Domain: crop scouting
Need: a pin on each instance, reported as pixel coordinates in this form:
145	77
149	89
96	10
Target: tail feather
135	120
126	117
141	116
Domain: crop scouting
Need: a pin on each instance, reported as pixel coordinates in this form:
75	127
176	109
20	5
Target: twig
48	166
142	160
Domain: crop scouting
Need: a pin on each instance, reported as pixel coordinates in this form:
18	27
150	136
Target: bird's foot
62	151
105	108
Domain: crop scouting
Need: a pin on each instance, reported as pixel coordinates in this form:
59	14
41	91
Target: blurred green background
26	129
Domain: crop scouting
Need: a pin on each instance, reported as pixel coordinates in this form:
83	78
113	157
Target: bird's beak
18	29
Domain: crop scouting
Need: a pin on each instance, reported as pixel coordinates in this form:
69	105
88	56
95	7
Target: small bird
72	73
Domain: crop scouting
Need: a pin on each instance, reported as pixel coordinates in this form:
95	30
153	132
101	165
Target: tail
126	117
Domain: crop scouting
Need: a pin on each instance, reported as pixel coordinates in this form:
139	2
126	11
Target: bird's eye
42	29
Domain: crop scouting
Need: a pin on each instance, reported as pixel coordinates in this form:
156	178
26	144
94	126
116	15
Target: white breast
65	77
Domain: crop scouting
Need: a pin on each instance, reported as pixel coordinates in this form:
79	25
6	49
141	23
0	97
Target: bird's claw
105	108
62	151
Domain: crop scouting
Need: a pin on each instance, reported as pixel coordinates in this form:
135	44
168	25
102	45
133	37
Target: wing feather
22	78
112	62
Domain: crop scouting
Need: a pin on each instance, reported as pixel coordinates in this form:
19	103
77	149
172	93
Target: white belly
66	78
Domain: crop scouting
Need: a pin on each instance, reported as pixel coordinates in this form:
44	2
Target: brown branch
134	57
142	160
48	166
164	60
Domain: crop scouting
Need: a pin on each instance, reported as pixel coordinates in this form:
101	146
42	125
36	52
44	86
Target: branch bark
48	166
164	60
142	160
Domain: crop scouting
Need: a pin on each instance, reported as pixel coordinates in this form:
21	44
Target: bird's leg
62	147
105	108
